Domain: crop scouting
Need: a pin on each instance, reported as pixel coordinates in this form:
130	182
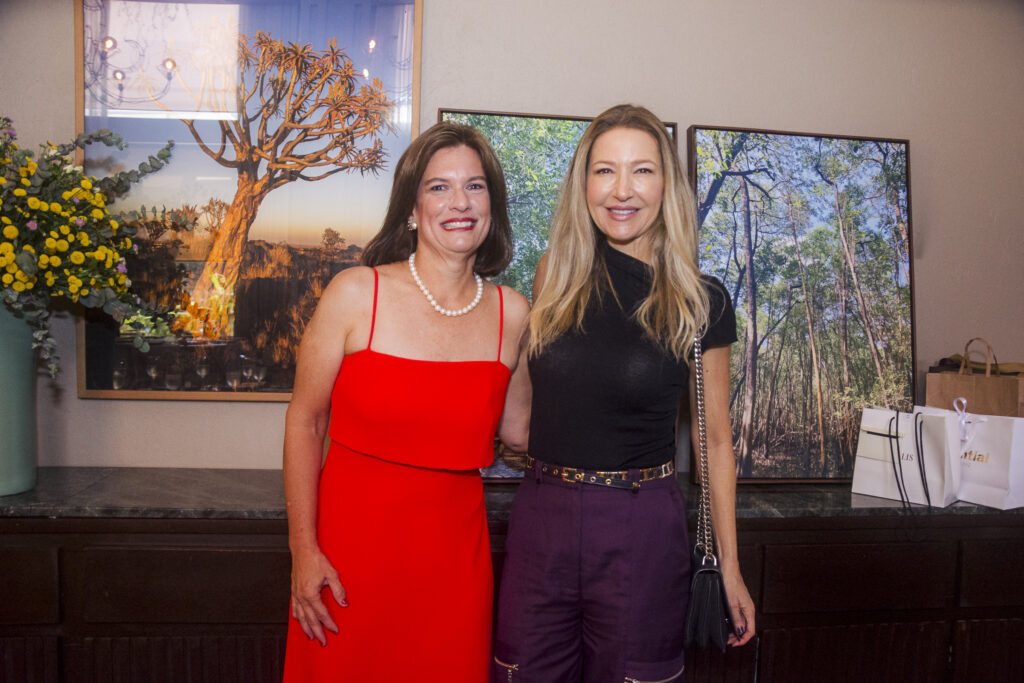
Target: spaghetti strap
501	320
373	319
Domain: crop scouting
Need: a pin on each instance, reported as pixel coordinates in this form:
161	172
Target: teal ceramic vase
17	405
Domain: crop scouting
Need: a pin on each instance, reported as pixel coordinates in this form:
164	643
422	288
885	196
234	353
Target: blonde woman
596	579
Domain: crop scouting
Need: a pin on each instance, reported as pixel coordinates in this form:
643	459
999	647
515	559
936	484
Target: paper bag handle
990	358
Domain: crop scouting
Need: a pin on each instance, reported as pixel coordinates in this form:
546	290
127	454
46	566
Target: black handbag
708	617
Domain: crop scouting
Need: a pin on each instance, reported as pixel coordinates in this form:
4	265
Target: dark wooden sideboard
125	574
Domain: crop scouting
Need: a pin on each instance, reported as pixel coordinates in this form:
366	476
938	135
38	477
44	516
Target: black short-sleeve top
606	398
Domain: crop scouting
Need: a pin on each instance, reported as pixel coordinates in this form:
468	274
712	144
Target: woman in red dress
409	359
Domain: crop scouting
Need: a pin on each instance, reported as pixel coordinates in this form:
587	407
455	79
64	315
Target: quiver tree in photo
302	114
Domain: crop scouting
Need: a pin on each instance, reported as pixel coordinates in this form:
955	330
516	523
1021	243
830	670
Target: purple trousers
595	584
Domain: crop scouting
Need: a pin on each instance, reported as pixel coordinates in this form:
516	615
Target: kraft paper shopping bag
987	394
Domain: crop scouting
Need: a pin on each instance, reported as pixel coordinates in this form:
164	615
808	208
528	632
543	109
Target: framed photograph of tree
287	118
811	235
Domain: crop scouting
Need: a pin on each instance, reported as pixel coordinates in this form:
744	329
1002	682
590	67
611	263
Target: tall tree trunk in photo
808	309
844	327
750	358
847	446
892	195
850	257
903	245
805	410
734	255
772	422
900	322
212	291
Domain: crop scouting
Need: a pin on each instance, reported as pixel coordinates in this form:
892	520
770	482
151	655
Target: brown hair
394	241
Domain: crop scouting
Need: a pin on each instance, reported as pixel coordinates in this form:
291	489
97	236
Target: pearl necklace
433	302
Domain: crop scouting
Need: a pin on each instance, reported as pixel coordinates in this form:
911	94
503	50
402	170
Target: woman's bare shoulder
516	305
345	296
349	284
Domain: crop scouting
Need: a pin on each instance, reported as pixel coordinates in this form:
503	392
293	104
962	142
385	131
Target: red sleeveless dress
401	517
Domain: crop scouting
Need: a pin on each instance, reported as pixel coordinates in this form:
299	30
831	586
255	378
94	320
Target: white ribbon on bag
966	422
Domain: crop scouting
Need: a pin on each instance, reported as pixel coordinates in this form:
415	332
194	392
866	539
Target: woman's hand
345	304
311	573
742	606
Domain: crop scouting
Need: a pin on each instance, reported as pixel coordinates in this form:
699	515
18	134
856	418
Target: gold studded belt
620	479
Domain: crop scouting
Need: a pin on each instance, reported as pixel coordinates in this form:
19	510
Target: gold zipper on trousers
511	668
663	680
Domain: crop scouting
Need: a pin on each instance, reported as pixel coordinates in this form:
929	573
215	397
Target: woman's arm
514	430
319	359
722	478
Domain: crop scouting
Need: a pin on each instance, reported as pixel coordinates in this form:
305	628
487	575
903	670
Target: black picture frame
816	231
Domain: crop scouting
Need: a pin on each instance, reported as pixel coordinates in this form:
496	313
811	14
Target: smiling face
453	205
625	184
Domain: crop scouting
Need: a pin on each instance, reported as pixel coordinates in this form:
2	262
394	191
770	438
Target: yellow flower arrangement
59	240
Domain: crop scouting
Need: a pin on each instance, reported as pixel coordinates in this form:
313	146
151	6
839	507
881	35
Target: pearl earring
412	224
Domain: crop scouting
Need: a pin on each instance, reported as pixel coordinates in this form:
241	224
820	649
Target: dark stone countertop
191	493
150	493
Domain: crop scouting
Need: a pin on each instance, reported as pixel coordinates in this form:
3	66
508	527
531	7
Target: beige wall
946	74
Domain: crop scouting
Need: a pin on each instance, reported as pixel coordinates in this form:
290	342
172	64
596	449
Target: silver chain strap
705	536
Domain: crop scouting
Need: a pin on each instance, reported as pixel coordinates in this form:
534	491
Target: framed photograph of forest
811	236
287	117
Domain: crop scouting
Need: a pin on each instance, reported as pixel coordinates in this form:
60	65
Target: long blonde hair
676	310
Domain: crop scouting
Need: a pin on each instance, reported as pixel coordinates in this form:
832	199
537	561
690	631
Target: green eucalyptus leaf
27	262
90	300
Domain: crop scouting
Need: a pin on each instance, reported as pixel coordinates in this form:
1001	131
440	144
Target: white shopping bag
991	460
909	457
